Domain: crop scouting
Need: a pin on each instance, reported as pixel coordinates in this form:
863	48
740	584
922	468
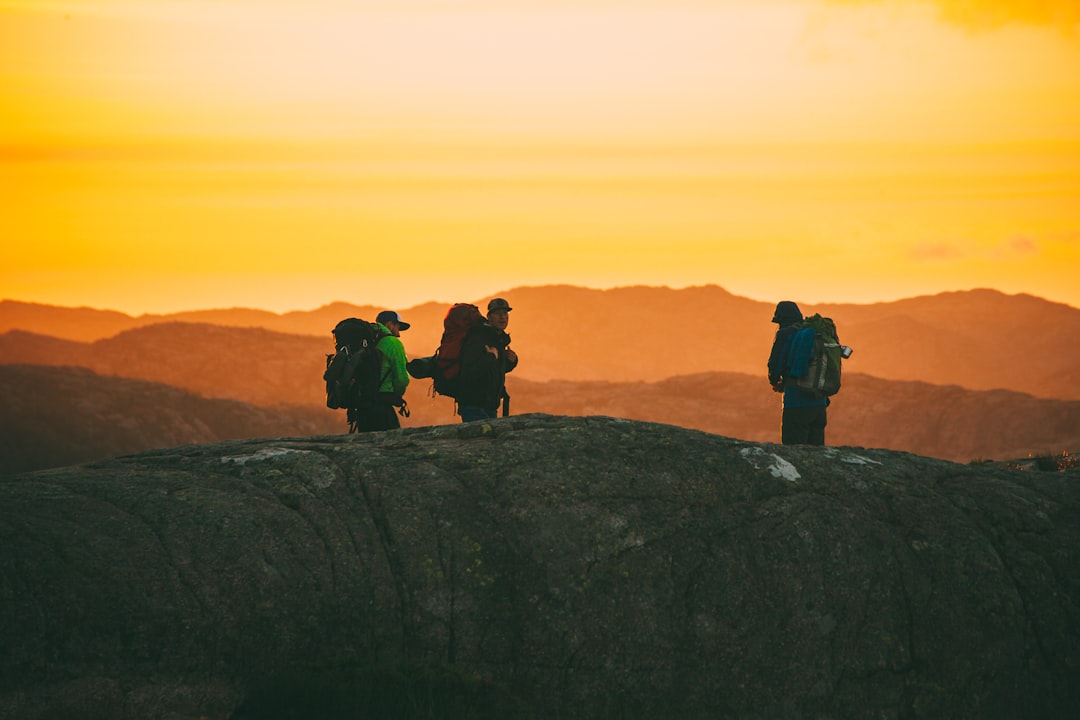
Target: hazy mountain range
980	339
959	376
57	416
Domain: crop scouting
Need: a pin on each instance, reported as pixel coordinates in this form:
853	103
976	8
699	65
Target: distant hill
947	422
54	416
250	364
980	339
58	416
82	323
88	324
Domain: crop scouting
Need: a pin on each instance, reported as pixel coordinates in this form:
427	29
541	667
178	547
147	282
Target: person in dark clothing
381	412
485	359
804	417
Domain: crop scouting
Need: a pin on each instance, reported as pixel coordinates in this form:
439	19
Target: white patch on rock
778	466
858	460
264	454
851	458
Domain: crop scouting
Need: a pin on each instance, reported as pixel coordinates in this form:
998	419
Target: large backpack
815	358
353	371
444	367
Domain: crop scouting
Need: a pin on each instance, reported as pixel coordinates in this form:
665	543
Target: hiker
381	412
485	359
804	416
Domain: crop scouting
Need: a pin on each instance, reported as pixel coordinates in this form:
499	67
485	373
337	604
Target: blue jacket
779	369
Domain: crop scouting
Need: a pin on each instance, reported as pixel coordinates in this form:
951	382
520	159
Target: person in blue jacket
804	417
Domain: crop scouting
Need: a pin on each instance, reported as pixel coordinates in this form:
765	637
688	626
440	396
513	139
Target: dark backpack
444	367
353	371
815	358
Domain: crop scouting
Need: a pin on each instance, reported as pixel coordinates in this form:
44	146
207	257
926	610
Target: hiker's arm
777	362
510	360
395	355
477	361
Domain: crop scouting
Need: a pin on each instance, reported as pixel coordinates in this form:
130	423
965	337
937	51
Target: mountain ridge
61	416
960	376
58	416
70	322
981	340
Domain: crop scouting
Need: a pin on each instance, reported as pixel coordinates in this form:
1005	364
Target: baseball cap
499	304
390	316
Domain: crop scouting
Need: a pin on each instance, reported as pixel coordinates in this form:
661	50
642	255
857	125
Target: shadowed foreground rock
596	568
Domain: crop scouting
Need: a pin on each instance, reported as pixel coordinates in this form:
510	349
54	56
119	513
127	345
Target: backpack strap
379	337
354	360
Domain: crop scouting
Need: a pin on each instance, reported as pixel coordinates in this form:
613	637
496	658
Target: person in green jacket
389	402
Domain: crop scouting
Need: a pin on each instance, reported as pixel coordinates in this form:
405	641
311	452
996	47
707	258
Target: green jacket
394	376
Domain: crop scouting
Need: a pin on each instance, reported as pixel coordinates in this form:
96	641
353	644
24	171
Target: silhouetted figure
381	413
485	359
804	417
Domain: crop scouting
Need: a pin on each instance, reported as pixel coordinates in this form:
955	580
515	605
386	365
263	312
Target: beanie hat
787	312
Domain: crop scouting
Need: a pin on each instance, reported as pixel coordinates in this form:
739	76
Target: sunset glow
160	156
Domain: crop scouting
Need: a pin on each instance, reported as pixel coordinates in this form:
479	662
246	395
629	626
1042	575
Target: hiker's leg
816	428
390	418
376	417
795	426
367	419
472	413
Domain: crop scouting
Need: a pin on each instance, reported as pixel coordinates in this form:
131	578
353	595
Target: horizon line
518	288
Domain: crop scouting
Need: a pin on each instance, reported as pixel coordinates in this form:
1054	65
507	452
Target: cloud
1018	245
937	252
1010	249
985	14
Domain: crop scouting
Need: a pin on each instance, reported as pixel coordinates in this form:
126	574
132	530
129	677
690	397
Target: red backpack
445	365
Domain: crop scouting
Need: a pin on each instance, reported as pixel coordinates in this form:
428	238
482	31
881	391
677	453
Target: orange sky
159	156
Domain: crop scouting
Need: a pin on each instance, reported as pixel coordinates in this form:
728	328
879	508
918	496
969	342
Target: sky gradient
282	154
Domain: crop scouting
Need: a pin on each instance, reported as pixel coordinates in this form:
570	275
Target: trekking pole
506	404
